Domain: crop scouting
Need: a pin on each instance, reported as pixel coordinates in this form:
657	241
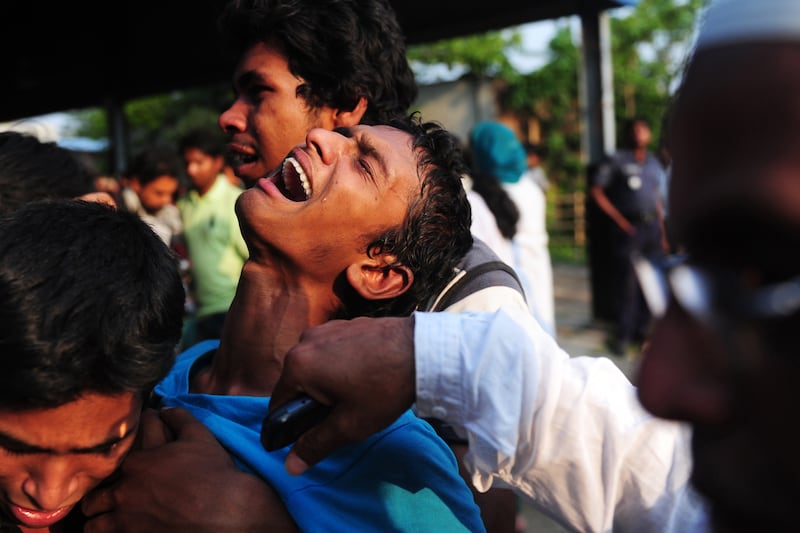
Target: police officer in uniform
626	187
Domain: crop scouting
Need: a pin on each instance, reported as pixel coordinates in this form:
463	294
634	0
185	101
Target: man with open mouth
361	221
310	64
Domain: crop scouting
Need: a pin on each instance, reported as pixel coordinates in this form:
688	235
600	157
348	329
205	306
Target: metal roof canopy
70	55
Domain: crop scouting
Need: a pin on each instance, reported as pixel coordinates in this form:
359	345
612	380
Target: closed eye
367	169
108	448
365	150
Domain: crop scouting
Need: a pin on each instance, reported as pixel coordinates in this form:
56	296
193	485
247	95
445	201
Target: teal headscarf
496	150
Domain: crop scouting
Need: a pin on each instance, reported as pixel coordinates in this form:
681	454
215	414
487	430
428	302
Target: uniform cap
728	22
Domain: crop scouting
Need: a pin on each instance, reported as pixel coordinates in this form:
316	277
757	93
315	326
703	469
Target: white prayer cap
737	21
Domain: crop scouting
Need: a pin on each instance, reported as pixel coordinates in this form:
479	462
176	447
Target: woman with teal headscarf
496	151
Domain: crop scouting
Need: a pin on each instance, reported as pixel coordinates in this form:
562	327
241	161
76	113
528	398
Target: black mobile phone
286	423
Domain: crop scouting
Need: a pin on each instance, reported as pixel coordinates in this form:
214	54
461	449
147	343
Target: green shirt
216	248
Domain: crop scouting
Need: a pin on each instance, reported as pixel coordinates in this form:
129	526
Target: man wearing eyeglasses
724	353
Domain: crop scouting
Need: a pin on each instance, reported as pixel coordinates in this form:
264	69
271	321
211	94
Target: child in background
152	181
214	242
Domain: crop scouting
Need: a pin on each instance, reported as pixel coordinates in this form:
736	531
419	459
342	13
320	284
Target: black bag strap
491	274
480	269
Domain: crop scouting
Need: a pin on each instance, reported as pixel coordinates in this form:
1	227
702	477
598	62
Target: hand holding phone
286	423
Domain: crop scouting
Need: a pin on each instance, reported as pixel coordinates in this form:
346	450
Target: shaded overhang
59	56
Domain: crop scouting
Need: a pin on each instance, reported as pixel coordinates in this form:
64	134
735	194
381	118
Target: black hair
435	235
343	49
628	132
155	161
92	302
32	170
502	206
207	140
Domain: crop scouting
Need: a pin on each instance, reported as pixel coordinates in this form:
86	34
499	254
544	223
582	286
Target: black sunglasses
707	293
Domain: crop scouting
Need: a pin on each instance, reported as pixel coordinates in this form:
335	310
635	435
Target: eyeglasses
709	293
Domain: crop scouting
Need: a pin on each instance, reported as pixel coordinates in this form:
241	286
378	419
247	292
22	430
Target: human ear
350	118
378	278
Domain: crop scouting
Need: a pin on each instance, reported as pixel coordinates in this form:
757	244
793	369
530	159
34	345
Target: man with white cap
727	362
722	356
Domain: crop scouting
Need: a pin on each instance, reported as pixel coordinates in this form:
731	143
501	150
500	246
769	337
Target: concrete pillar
597	106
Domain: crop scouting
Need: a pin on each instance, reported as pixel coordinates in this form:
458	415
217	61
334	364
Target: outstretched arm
566	432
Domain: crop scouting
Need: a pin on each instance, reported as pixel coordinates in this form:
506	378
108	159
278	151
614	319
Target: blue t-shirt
404	478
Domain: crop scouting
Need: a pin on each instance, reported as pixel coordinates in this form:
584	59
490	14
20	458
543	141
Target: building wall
458	105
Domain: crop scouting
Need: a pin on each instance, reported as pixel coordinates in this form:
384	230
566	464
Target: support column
599	139
118	136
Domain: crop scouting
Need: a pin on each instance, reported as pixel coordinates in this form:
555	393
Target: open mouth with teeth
292	181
